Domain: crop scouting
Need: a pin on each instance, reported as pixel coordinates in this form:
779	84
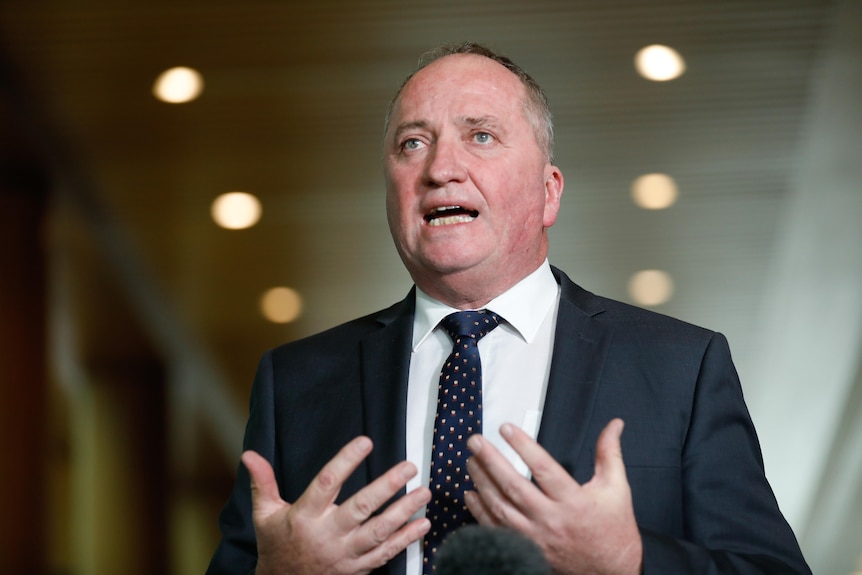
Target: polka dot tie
459	415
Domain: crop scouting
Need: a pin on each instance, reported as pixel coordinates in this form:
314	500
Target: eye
483	138
411	144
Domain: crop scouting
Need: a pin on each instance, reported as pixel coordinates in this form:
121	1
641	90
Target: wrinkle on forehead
484	77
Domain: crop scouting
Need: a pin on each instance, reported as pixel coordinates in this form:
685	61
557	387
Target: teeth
448	220
457	215
444	209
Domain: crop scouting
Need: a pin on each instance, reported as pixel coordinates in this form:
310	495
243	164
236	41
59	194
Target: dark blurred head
480	550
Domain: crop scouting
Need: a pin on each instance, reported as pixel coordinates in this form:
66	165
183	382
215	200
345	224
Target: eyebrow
472	121
481	121
408	126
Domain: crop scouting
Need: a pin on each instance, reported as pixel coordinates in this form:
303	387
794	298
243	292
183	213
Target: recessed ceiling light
650	287
281	304
659	63
178	85
236	210
654	191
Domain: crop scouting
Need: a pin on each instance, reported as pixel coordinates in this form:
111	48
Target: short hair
536	106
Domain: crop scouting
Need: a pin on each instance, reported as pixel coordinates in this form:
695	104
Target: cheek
393	211
398	188
398	212
530	210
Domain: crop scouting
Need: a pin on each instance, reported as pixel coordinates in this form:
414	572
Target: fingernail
506	430
408	470
425	497
363	444
475	443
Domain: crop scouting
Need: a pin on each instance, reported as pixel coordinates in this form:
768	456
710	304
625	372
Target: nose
445	164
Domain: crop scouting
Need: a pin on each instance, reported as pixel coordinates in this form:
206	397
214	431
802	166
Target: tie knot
472	324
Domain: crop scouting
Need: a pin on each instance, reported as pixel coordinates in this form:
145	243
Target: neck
463	290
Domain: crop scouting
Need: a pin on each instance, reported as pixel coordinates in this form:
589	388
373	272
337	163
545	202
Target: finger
502	488
394	544
477	508
324	488
552	477
265	497
380	529
370	498
492	504
609	453
483	484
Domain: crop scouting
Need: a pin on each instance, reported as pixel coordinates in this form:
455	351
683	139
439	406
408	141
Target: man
339	437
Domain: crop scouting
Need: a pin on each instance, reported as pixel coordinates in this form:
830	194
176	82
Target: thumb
609	453
265	497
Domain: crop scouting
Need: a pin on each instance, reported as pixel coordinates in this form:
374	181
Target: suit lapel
580	347
385	369
385	355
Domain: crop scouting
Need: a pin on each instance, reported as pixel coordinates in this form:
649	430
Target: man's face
469	193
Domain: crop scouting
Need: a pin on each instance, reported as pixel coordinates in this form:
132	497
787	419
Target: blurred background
135	300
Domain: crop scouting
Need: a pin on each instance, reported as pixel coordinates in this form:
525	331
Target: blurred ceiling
761	134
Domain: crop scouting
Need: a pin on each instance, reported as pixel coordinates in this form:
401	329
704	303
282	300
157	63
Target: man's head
536	104
470	186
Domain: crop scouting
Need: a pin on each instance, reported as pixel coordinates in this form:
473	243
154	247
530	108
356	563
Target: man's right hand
314	536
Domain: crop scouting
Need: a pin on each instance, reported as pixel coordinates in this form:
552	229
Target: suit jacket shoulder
309	398
692	456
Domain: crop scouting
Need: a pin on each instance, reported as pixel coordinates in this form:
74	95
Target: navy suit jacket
692	457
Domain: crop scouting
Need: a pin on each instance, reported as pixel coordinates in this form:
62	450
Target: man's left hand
582	529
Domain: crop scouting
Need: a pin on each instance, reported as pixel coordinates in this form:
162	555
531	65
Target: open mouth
446	215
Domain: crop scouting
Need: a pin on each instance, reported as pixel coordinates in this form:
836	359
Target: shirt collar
524	306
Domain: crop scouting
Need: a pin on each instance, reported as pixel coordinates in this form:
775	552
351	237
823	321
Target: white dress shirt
516	361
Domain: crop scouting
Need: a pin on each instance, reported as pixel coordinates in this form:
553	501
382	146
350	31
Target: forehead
461	81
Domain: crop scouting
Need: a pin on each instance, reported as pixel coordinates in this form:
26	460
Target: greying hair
536	106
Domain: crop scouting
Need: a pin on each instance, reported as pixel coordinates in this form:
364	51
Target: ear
553	194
